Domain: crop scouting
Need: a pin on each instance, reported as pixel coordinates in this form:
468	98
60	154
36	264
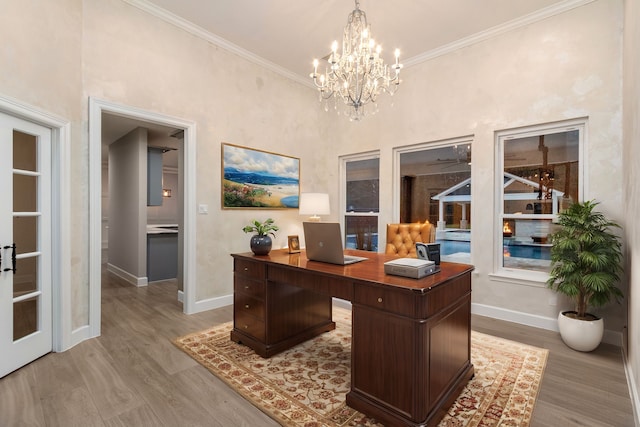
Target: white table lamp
314	204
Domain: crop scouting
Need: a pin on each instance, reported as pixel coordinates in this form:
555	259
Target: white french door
25	243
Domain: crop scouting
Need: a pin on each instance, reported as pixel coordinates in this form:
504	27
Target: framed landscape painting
255	179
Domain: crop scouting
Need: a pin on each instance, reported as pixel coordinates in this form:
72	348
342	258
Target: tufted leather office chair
402	238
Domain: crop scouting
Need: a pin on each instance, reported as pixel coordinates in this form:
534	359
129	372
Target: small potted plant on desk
585	266
261	242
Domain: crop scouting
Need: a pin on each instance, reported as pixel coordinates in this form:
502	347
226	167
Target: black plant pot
261	245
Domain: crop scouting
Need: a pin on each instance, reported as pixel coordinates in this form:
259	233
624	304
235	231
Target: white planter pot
581	335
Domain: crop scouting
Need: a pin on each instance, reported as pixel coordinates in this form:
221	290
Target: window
434	184
539	176
361	202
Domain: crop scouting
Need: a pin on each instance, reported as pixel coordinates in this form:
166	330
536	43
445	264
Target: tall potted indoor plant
261	241
585	266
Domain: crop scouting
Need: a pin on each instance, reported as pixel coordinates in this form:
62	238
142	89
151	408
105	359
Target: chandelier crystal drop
357	75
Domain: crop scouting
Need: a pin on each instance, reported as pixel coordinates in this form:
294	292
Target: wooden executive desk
411	339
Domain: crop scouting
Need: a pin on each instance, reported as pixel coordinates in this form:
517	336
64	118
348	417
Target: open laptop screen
324	243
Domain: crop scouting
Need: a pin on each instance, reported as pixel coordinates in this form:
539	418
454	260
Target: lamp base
314	218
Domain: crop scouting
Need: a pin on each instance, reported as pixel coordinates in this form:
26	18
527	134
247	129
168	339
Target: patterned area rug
306	385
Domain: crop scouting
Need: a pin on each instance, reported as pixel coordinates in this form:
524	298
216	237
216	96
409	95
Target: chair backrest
402	238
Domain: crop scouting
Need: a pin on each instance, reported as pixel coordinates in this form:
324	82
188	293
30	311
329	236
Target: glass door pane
25	253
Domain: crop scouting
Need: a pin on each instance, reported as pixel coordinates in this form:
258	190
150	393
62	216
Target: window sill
521	277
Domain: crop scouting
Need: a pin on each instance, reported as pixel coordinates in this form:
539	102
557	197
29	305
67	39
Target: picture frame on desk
293	244
256	179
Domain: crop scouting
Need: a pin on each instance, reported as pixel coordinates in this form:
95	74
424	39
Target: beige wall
566	66
631	132
41	63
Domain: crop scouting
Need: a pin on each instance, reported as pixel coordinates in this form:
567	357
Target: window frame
432	145
517	275
344	159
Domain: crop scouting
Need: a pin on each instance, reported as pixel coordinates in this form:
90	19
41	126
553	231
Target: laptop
324	243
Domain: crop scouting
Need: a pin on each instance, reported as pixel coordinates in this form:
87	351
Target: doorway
141	200
97	111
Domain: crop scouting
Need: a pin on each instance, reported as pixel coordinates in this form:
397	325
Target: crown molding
198	31
531	18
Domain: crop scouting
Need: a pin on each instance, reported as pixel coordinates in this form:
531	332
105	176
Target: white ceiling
291	33
115	127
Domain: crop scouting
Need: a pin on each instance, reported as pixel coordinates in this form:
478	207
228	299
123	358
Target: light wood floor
133	376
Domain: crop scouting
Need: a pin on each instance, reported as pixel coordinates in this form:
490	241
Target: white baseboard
612	337
515	316
180	296
78	335
213	303
534	320
127	277
633	389
342	303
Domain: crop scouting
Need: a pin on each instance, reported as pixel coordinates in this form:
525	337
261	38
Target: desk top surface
370	270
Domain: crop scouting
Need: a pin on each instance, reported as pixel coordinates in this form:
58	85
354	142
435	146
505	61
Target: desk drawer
249	286
395	301
246	304
340	287
253	269
250	325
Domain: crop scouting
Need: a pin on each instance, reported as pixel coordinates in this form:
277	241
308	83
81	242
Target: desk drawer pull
246	287
246	326
246	306
379	299
246	269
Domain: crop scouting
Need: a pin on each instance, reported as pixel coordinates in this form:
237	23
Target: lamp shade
314	204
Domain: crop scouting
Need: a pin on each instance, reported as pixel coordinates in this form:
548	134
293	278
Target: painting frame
257	179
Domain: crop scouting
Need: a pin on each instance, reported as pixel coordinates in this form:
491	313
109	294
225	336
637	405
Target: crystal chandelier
358	75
